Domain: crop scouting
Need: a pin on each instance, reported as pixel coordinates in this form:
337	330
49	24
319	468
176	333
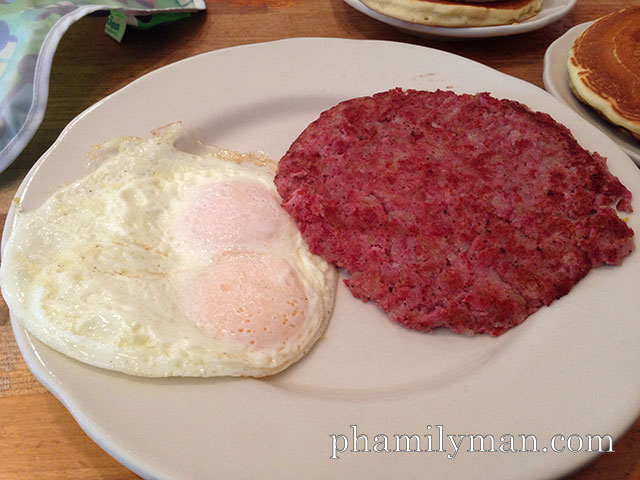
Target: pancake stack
469	13
604	68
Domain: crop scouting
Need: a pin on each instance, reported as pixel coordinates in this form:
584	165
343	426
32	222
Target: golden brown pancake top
610	51
500	4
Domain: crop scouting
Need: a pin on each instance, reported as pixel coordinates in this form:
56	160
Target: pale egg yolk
234	214
257	300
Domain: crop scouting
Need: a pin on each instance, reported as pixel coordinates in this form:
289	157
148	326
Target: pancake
443	13
604	68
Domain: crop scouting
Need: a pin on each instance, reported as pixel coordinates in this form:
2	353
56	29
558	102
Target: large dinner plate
551	11
561	376
556	81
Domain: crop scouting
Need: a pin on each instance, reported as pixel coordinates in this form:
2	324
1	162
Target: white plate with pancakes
551	11
366	375
556	81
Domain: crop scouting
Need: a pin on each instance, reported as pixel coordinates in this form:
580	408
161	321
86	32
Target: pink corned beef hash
457	211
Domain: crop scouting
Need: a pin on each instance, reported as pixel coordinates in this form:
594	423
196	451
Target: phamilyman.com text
436	440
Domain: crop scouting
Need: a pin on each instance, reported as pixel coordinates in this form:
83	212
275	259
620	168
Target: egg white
97	272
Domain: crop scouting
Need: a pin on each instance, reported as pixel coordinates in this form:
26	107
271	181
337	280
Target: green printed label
116	25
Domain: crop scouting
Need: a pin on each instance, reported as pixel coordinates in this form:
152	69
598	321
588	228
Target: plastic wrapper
29	34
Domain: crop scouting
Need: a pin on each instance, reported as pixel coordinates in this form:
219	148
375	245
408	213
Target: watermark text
436	440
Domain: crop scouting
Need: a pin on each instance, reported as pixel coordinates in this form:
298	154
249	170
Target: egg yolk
234	214
256	299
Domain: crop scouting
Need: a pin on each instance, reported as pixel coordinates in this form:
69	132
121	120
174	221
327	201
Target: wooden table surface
38	437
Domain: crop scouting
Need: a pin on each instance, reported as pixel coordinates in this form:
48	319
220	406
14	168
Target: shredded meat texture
457	211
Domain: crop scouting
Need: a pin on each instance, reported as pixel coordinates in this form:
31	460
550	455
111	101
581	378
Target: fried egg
160	262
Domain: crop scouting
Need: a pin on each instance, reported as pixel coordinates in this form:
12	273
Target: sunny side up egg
162	263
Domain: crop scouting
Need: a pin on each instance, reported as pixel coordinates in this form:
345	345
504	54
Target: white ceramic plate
551	11
564	371
556	81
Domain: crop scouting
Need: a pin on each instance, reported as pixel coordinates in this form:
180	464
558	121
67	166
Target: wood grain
38	437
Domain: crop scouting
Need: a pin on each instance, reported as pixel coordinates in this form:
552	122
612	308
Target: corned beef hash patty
457	211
